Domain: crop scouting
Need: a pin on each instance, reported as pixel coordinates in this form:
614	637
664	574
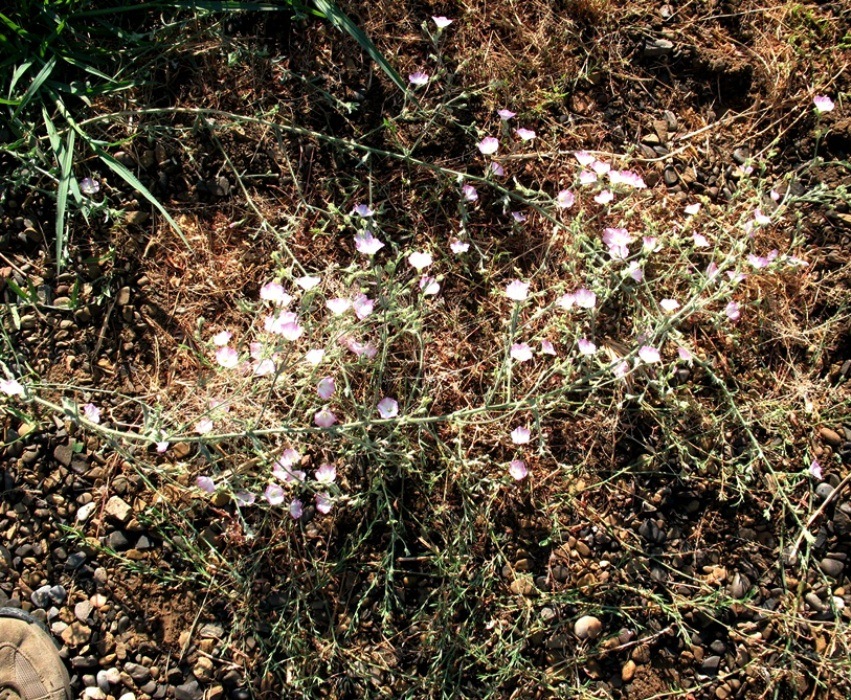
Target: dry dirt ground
698	591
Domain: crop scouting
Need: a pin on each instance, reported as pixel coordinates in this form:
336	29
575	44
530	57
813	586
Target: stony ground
697	590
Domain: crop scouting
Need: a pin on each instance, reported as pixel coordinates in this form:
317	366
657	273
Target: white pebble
588	627
85	511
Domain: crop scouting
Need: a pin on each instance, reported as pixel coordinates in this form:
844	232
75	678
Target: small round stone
588	627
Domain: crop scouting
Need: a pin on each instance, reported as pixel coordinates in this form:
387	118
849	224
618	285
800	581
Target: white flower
517	290
419	260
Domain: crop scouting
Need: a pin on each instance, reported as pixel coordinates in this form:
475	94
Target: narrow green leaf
37	82
342	22
65	175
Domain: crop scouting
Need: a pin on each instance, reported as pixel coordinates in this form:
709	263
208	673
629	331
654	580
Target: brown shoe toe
30	666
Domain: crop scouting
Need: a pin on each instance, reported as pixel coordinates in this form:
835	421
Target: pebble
75	560
670	176
823	490
83	512
128	696
76	635
82	610
94	693
628	671
831	437
118	509
741	155
140	674
587	627
710	665
40	597
832	567
188	691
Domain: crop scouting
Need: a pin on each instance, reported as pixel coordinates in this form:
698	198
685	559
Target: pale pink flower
204	426
323	503
264	368
222	338
308	282
775	195
815	470
733	311
711	271
736	276
288	458
274	292
649	354
291	331
91	412
206	484
283	470
89	187
227	357
601	168
275	324
565	199
518	470
296	509
823	104
314	357
760	218
367	243
244	498
420	261
584	158
547	348
521	435
650	244
358	348
700	240
506	114
418	79
338	306
604	197
470	193
324	418
326	388
274	494
628	178
429	286
618	240
525	134
566	301
458	247
692	209
362	210
162	446
256	350
743	170
669	305
388	407
442	22
621	369
587	177
488	146
585	298
518	216
517	290
762	261
684	354
11	387
497	169
635	271
586	347
521	352
326	474
363	306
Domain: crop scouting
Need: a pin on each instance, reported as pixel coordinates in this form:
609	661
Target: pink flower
358	348
442	22
586	347
418	79
91	412
621	369
584	158
634	270
525	134
585	298
274	292
488	146
815	470
256	350
618	240
296	509
470	193
11	387
547	348
497	169
604	197
244	498
227	357
733	311
162	446
761	218
565	199
692	209
649	354
506	114
601	168
517	290
362	210
288	457
264	368
521	435
627	177
326	388
324	418
388	407
521	352
222	338
684	354
274	494
367	243
314	357
363	306
326	474
206	484
518	216
282	469
308	282
566	301
458	247
323	503
518	470
275	324
204	426
338	306
700	240
823	104
650	244
429	286
420	261
291	331
669	305
587	177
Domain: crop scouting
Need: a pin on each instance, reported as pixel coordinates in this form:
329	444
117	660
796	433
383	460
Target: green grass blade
342	22
35	85
65	159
